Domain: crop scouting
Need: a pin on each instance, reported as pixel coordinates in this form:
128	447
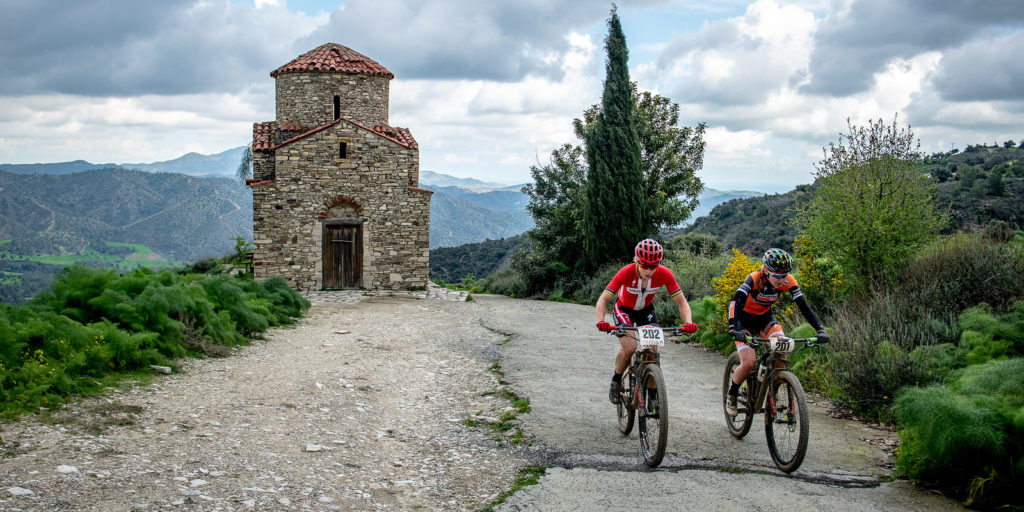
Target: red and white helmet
649	252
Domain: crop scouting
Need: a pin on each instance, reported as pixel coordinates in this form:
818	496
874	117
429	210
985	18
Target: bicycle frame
639	399
642	356
772	389
769	359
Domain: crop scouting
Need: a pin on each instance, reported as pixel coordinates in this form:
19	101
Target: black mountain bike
786	423
643	392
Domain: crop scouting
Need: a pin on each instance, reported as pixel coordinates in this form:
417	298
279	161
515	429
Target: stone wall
262	165
310	177
308	98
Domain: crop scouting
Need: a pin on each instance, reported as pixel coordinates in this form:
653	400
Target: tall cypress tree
614	213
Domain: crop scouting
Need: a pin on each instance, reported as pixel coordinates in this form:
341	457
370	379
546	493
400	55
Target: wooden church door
343	255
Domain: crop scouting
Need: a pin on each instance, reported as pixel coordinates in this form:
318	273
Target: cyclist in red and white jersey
633	289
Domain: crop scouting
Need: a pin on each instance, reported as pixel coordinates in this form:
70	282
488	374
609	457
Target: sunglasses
648	267
779	276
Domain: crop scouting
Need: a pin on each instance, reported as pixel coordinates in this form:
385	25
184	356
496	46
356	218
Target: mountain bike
786	423
643	395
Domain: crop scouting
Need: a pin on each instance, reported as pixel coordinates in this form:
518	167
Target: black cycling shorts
626	317
756	324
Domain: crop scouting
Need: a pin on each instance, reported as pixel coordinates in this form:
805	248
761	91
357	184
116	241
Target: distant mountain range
192	207
223	164
173	214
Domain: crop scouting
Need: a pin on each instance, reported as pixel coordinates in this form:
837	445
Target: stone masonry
331	157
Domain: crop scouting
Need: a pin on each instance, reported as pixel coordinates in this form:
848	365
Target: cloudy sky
490	88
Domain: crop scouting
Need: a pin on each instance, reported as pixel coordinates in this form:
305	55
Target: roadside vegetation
913	262
97	326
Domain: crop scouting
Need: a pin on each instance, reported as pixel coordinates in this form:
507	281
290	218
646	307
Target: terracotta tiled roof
292	126
401	135
268	136
333	57
263	136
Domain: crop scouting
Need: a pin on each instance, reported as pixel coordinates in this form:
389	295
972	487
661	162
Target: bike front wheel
652	416
786	423
625	406
738	425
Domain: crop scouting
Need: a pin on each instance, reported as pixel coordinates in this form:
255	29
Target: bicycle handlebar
809	342
669	331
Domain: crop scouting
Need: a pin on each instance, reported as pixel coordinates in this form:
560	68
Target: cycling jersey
627	286
757	296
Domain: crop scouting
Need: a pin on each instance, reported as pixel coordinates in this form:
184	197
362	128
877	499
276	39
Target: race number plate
782	344
650	336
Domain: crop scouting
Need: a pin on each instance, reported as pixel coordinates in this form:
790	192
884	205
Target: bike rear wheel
786	423
652	416
740	424
625	406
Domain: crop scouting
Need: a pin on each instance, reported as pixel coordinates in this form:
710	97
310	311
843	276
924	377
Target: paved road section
559	360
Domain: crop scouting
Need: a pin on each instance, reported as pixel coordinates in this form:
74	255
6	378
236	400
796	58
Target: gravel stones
360	406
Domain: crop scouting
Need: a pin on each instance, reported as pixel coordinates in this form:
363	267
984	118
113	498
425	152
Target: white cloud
489	89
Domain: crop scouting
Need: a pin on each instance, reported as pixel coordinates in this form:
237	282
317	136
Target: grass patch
9	277
141	256
507	428
527	477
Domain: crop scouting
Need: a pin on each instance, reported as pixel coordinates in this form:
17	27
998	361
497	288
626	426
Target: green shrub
923	308
505	282
700	244
593	287
967	437
963	270
94	322
986	336
938	361
705	311
695	272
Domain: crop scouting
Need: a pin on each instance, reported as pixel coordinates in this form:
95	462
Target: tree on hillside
872	208
615	210
670	157
556	199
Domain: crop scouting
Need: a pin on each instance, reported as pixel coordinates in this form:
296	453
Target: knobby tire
786	423
653	425
625	405
738	426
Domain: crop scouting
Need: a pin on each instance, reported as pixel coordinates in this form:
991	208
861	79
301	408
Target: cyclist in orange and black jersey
750	312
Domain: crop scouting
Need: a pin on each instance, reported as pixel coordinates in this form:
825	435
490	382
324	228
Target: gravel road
360	406
383	402
563	364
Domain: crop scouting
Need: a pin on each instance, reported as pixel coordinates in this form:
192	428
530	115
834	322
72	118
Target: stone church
335	188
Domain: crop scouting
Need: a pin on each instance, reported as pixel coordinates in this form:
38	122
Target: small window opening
343	150
337	107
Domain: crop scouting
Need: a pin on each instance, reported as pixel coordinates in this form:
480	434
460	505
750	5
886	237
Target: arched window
337	108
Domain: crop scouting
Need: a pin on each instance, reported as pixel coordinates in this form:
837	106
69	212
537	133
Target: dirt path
376	402
563	364
361	406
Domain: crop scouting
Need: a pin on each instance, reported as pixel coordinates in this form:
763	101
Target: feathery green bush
968	436
922	308
96	322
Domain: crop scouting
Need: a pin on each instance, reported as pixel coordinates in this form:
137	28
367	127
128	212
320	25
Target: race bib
650	336
782	344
